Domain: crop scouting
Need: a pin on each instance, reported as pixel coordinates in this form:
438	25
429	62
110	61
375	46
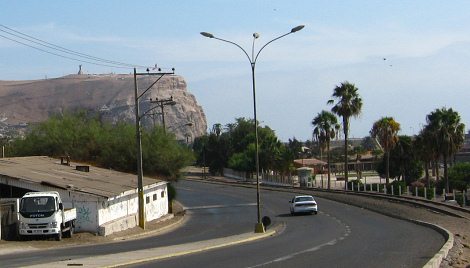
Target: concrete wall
121	212
158	202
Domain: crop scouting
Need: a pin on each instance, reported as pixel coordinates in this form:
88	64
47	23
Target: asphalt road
339	236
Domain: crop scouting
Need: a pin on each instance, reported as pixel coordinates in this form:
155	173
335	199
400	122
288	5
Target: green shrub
396	187
356	184
429	192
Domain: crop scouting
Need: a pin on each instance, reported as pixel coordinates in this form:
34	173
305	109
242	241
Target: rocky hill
111	95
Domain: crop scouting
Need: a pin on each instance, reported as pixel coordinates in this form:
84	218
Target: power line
62	56
59	48
28	38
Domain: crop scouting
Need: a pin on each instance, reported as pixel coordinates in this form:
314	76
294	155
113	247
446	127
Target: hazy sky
426	45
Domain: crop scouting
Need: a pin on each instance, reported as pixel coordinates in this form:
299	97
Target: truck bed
70	214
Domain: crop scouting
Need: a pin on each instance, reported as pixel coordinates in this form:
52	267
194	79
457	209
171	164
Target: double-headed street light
259	227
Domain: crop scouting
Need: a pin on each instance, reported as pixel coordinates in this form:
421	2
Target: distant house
464	154
106	200
315	164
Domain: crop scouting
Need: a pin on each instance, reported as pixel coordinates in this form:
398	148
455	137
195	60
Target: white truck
42	213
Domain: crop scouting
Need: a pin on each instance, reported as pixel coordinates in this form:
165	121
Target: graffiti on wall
84	215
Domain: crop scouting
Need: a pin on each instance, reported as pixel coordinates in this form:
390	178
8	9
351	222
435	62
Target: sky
407	58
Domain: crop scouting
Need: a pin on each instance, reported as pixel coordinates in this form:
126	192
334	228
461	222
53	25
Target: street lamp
259	228
138	116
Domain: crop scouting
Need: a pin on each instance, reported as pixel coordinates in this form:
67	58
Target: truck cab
42	213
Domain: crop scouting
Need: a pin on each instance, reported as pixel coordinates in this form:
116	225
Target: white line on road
219	206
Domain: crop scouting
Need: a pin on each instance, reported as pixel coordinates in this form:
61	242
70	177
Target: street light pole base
259	228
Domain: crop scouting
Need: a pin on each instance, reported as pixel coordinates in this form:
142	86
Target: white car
303	204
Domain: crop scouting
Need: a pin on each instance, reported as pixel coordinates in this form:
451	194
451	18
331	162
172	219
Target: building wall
94	212
157	205
125	205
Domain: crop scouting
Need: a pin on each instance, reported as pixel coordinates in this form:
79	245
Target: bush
84	138
396	187
429	192
171	192
459	198
356	184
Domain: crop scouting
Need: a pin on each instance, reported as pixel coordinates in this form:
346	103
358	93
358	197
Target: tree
234	147
386	131
403	164
217	129
459	176
423	149
326	126
349	104
82	137
444	124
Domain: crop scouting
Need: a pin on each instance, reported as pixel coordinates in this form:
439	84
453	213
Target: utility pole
138	116
162	103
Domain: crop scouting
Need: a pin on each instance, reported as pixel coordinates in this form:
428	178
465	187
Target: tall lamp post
138	116
259	227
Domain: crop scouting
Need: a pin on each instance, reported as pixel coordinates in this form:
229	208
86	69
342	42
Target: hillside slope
24	102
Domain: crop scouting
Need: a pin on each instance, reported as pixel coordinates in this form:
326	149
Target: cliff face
110	95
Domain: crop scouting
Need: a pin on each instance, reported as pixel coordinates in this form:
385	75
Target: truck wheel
69	232
59	236
20	237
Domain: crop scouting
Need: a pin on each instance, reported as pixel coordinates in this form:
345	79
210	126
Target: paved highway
339	236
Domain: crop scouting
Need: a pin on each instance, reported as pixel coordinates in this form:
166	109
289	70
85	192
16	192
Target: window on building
163	194
154	197
147	199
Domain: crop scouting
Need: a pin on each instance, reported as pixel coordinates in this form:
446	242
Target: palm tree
386	131
445	126
326	126
349	104
423	147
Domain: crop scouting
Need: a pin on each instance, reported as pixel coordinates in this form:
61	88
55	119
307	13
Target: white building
106	200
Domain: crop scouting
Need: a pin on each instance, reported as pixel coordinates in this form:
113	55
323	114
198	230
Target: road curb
436	261
159	253
154	232
254	237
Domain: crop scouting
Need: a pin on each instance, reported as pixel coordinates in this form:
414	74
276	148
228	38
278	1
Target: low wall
119	225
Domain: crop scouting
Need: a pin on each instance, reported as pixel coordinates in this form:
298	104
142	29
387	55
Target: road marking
219	206
333	242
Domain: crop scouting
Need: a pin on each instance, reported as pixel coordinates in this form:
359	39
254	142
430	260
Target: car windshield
303	198
37	204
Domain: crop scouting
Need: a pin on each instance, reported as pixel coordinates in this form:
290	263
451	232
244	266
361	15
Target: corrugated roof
309	162
49	171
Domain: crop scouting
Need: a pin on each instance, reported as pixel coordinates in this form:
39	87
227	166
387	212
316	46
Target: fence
268	178
376	185
368	184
